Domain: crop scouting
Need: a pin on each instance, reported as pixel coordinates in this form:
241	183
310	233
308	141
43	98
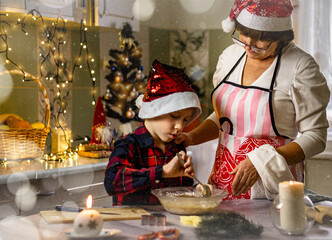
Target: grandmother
269	103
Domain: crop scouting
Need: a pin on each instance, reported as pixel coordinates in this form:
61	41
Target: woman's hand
185	138
245	177
175	168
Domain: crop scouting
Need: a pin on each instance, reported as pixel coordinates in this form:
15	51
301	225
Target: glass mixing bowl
188	200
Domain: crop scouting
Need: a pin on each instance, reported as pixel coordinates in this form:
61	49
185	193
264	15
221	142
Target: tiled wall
217	42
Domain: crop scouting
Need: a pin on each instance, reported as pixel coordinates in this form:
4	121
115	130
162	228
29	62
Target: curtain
314	35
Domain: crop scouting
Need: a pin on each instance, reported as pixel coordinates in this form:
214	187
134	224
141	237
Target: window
313	27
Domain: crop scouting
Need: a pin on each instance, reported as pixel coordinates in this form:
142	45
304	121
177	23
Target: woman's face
261	55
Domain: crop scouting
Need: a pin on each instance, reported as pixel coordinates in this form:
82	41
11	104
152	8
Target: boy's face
167	127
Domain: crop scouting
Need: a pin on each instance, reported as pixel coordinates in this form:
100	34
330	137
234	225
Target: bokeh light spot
143	9
196	6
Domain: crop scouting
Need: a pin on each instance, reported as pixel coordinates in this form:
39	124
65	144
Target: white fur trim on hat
228	25
271	24
139	101
171	103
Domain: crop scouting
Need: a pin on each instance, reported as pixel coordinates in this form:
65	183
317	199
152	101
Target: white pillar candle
89	222
292	207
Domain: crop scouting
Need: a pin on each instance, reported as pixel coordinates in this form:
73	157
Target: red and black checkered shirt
135	168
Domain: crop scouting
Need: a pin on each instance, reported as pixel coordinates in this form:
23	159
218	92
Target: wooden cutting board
123	213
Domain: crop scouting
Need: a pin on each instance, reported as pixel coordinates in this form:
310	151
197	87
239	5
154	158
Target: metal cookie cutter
155	219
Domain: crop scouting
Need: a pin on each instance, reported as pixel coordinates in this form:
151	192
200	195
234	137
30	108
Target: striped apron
246	122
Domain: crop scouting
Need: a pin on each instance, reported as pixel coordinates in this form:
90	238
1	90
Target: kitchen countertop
37	169
257	211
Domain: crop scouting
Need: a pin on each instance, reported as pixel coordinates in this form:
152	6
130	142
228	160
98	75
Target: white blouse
300	95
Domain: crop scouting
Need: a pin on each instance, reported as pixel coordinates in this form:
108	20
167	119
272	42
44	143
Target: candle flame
291	182
89	201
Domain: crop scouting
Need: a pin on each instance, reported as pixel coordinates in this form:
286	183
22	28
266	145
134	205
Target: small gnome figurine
100	132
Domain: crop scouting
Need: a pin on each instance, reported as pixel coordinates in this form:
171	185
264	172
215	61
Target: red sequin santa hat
168	90
99	122
261	15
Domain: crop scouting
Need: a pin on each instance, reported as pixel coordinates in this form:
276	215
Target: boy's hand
176	169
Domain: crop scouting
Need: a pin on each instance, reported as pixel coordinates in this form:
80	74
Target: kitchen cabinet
47	8
113	13
12	5
53	183
52	9
106	13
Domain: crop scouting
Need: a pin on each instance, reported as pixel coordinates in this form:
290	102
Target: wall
170	14
23	98
153	38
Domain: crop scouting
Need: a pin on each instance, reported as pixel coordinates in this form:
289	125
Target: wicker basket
17	144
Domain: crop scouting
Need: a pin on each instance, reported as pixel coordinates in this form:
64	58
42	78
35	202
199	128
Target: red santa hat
261	15
168	90
99	122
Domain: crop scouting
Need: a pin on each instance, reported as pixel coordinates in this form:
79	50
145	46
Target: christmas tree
126	78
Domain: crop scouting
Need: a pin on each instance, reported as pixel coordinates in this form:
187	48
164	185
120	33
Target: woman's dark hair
283	38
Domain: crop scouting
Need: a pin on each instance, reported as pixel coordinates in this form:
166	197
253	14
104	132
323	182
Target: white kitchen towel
203	156
272	169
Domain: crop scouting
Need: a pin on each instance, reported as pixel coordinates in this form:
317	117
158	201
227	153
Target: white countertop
35	227
37	169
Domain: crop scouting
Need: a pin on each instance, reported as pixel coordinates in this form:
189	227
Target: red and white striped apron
246	122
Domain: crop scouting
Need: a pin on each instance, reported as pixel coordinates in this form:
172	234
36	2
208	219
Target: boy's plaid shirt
135	168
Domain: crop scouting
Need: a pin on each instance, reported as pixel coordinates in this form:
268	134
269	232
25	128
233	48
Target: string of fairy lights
51	51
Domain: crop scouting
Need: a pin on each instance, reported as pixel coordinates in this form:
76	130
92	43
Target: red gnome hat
99	121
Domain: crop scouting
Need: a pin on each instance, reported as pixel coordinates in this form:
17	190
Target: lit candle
88	222
292	207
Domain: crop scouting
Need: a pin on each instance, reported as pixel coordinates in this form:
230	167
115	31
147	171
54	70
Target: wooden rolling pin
322	215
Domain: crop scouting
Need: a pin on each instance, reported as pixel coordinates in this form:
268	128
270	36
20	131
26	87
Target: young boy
146	159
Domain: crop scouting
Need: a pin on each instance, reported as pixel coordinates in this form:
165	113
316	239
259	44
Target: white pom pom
139	101
228	25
